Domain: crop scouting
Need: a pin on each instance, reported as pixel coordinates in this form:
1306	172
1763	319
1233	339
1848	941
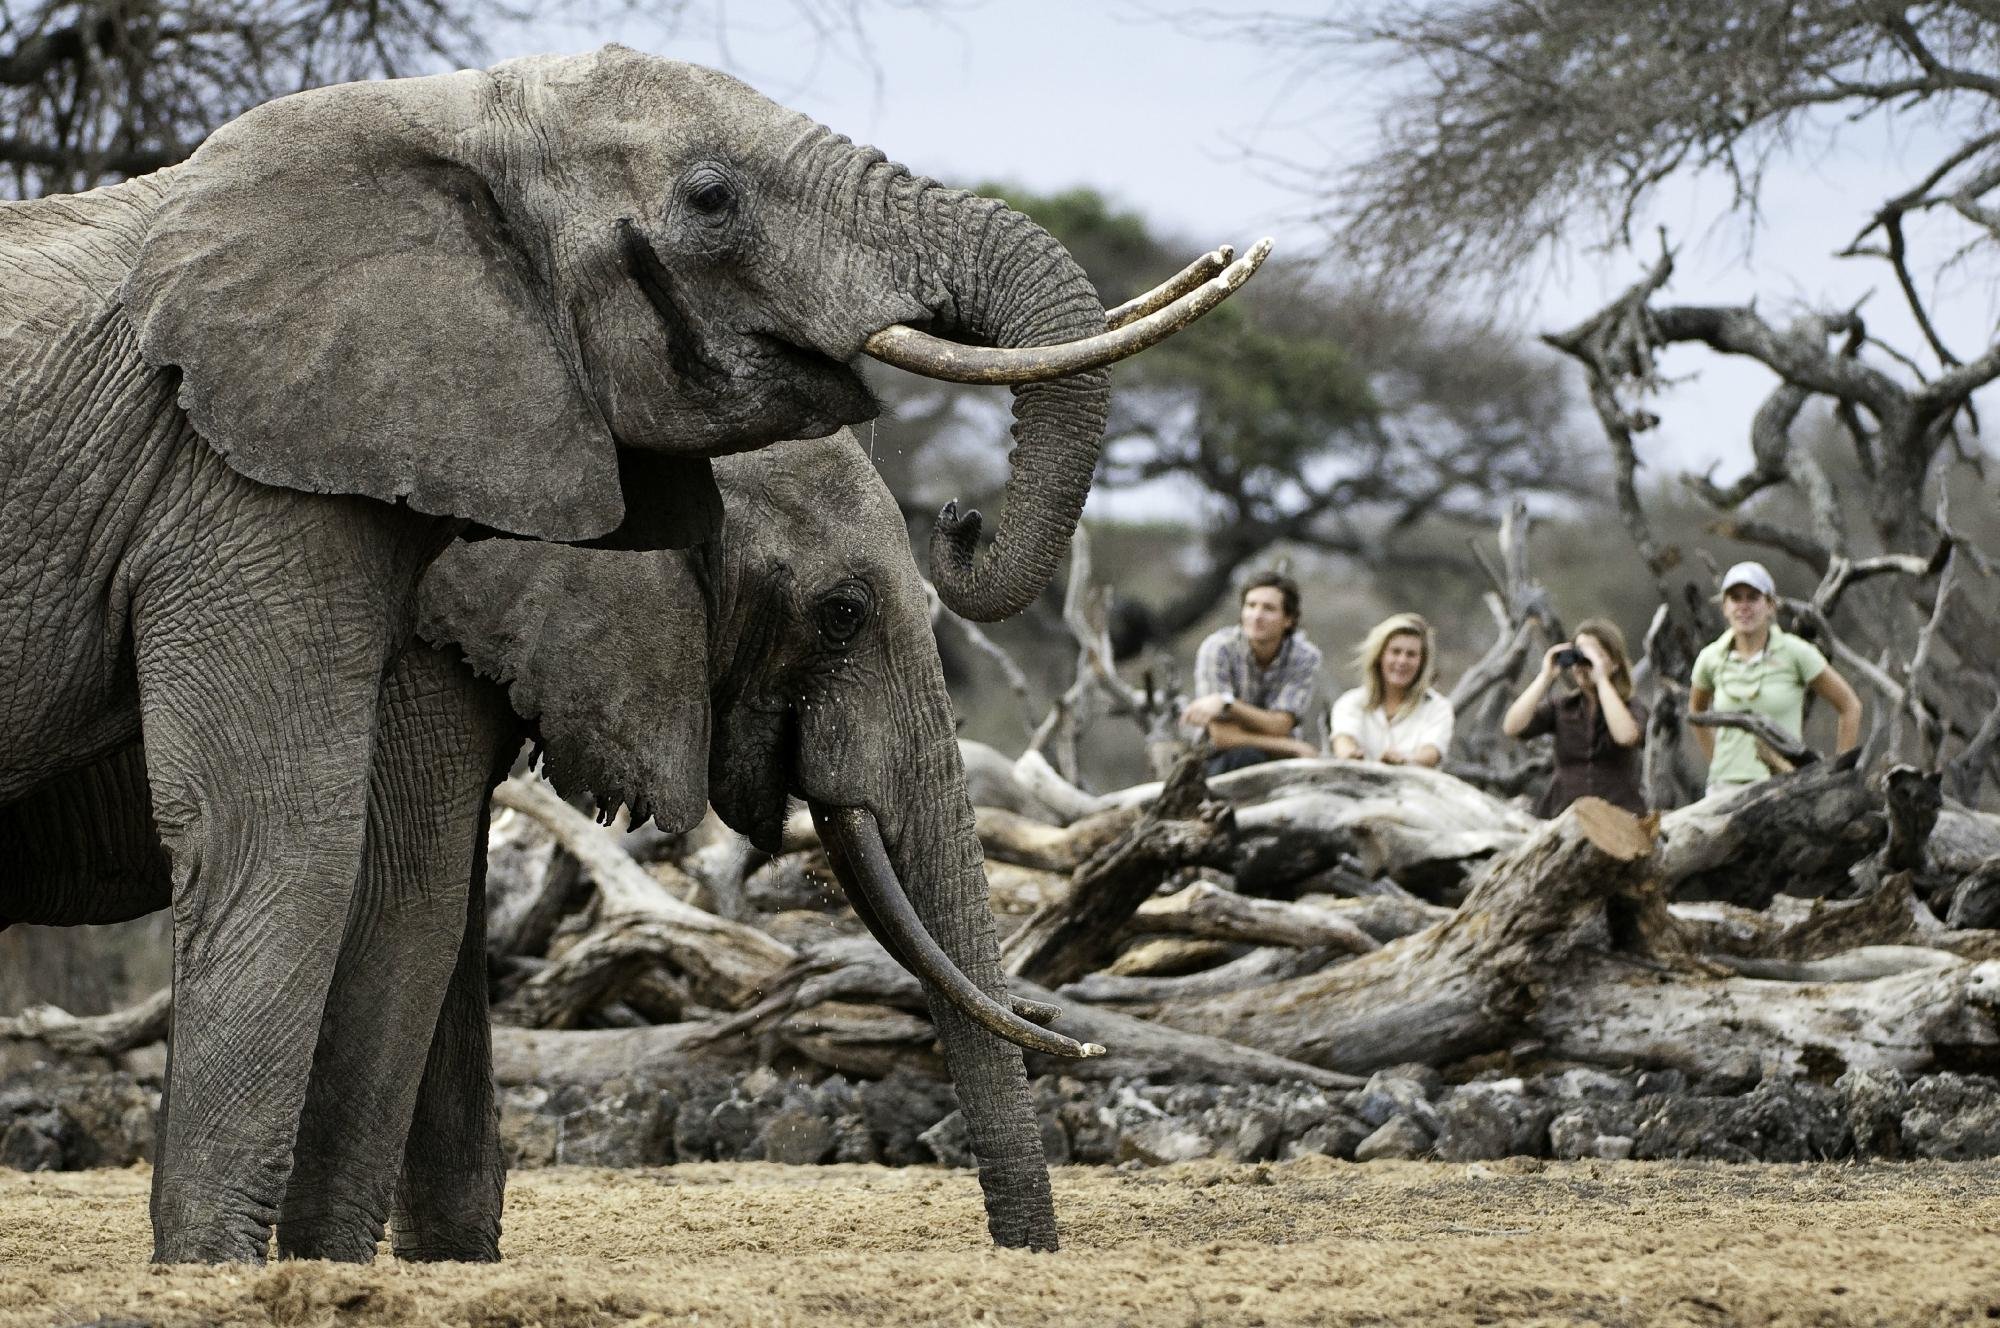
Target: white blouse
1428	724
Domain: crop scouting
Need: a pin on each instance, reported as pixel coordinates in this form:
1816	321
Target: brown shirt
1588	761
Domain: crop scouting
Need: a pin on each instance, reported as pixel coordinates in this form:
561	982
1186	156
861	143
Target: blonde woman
1599	728
1394	716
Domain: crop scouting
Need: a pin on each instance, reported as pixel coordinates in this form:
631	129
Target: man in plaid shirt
1253	682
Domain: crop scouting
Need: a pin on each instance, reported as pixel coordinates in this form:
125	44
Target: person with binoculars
1599	728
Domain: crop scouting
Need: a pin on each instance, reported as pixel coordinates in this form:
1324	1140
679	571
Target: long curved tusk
853	845
934	357
1164	294
1035	1012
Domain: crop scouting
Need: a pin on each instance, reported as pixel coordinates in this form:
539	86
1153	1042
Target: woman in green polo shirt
1759	667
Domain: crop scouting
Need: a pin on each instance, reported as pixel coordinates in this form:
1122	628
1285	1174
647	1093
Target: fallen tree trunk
1008	837
729	960
1461	987
1568	943
1800	833
93	1035
1207	910
1932	1016
1261	967
1163	956
850	1007
1064	940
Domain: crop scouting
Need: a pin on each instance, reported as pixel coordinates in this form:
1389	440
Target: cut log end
1615	832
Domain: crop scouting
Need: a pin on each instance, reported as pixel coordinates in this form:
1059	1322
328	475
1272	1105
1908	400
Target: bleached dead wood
1863	964
1264	965
1207	910
1160	956
587	1057
1778	750
1801	929
728	959
1568	942
1460	987
1929	1017
1008	837
1800	833
1015	891
1068	938
991	780
849	1006
1422	828
93	1035
1033	773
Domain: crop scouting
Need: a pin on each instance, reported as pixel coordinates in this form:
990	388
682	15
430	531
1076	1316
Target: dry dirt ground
1310	1242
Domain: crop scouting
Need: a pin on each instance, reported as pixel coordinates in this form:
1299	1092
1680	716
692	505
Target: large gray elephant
248	398
809	669
791	655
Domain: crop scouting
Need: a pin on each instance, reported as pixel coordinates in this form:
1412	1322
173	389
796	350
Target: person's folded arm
1226	735
1277	723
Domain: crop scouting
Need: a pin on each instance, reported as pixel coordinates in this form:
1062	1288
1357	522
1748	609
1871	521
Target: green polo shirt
1772	684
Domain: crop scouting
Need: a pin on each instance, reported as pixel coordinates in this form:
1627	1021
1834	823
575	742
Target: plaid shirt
1224	665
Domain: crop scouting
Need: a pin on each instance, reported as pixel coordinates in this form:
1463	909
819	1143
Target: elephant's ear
606	651
350	314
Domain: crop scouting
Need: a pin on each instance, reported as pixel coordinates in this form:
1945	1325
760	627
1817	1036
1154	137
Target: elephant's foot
210	1223
447	1242
1020	1210
450	1218
336	1236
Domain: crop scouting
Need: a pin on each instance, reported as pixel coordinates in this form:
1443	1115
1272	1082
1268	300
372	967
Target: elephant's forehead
617	85
819	505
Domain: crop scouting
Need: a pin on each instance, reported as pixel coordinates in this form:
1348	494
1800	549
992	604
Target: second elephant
793	656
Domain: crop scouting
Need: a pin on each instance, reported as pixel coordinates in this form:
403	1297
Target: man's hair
1368	660
1288	594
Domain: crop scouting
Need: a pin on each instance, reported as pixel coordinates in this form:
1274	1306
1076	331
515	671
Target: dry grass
1313	1242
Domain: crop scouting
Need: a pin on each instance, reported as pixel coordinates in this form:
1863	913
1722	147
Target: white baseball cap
1754	575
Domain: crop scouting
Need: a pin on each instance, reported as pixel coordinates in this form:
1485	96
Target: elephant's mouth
830	387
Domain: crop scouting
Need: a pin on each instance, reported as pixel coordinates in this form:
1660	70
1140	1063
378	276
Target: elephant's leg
943	868
991	1080
454	1179
260	651
438	731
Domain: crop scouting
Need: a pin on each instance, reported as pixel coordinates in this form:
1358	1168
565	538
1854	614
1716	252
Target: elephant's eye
843	611
710	197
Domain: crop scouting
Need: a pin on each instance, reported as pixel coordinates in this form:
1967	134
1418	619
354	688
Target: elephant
250	397
791	655
808	668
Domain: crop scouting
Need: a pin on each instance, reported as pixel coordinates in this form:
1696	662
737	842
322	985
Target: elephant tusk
853	844
1164	294
1035	1012
934	357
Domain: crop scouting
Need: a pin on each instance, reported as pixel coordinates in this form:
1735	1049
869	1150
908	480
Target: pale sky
1055	93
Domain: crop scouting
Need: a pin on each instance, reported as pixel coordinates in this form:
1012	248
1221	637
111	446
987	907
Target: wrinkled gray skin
820	677
530	298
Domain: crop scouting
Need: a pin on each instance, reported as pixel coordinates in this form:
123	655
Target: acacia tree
1298	414
94	90
1517	127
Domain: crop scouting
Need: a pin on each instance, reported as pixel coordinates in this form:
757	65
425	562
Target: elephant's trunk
937	857
1007	282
